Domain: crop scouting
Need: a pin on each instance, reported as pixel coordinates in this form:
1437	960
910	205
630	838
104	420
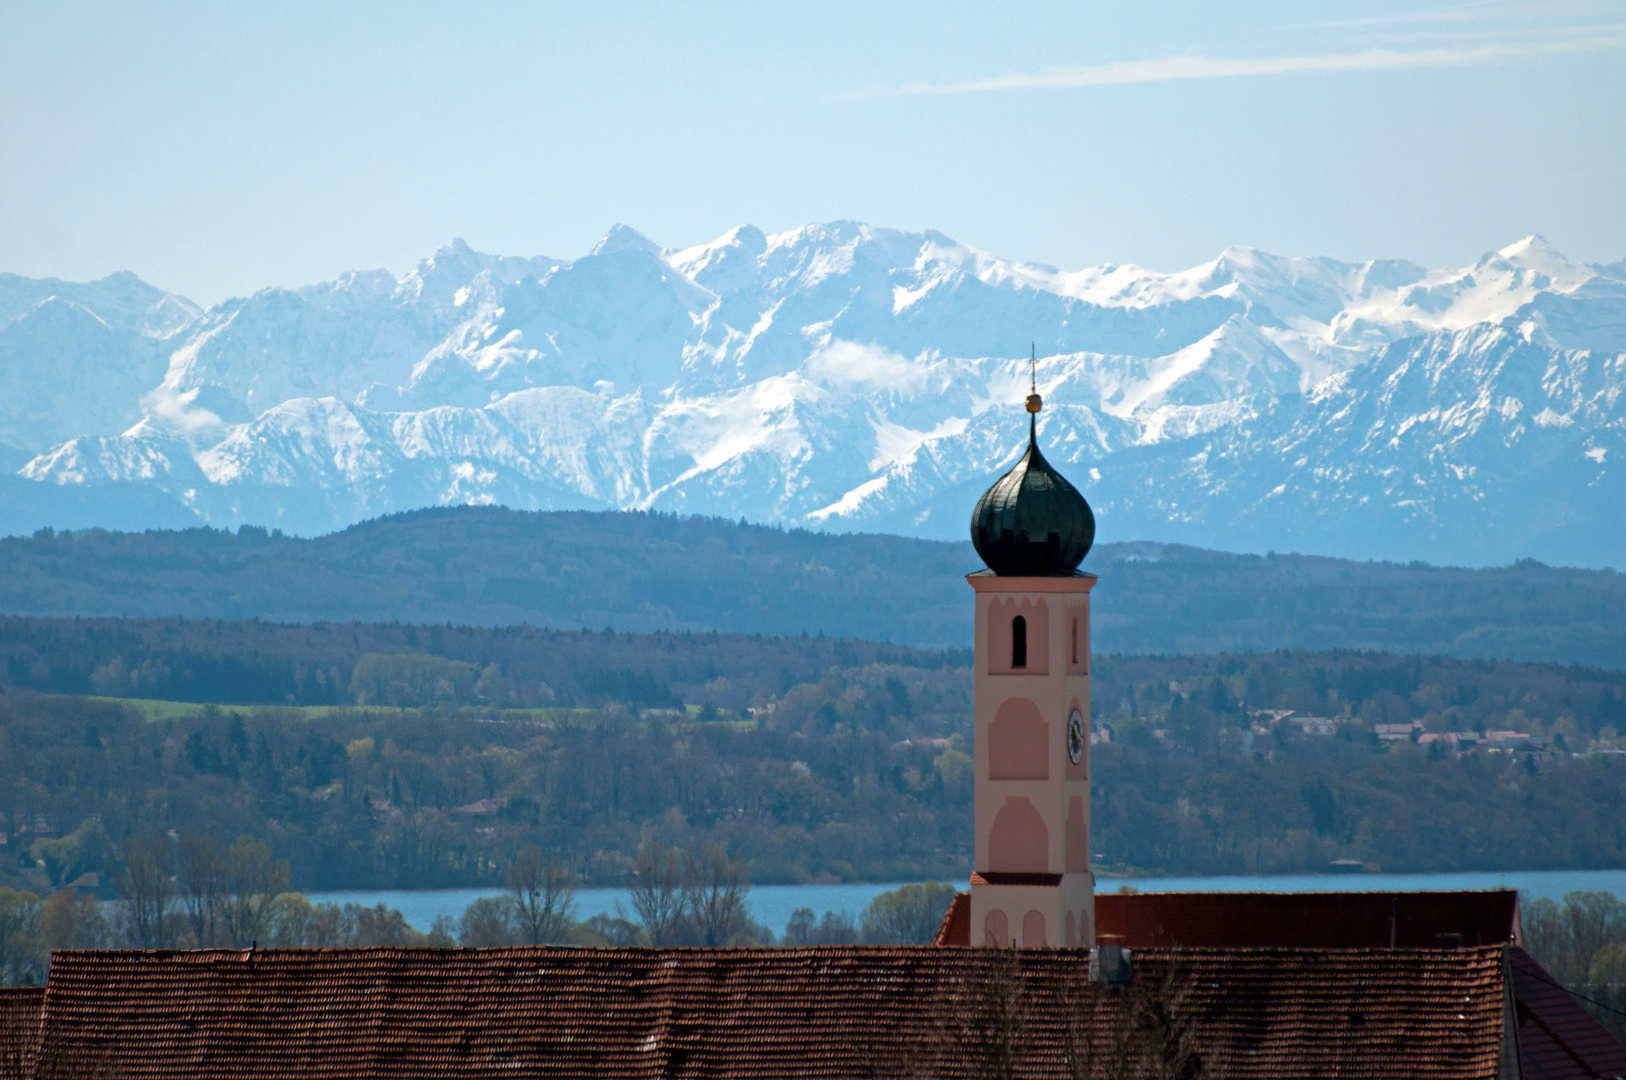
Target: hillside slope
641	572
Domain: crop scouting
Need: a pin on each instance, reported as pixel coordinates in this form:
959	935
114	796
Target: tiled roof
21	1003
955	929
1557	1037
19	1028
750	1013
1331	920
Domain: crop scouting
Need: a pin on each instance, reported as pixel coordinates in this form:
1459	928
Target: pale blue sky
217	148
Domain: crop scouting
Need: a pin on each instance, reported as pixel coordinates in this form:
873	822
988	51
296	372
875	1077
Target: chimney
1109	961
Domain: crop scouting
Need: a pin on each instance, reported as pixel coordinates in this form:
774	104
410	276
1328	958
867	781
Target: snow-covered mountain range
846	377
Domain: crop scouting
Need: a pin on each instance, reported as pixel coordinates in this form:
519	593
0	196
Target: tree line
407	666
194	891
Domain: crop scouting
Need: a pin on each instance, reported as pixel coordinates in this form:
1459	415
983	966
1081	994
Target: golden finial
1035	402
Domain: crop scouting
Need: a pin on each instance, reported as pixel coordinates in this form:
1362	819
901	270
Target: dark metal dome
1032	522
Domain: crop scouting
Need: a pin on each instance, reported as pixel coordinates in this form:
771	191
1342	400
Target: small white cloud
1548	418
847	363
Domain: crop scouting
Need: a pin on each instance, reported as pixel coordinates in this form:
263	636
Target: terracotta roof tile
750	1013
21	1002
955	929
19	1028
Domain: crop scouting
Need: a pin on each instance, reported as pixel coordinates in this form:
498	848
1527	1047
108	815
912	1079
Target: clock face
1075	737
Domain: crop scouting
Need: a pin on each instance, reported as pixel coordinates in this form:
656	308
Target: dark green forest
262	663
809	759
640	572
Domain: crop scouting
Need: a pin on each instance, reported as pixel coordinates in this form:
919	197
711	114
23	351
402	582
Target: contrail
1190	66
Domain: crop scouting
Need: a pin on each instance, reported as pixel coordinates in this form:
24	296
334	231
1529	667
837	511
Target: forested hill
861	771
642	572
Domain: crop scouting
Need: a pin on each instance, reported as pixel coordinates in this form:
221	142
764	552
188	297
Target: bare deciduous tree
657	895
1000	1017
148	891
543	896
253	883
202	880
975	1023
990	1024
714	894
1134	1032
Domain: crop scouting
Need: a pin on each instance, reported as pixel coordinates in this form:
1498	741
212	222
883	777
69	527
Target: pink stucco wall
1018	742
1019	843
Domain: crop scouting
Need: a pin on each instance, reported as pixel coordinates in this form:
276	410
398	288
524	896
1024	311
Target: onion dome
1032	522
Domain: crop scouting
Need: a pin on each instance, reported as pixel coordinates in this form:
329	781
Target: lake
772	905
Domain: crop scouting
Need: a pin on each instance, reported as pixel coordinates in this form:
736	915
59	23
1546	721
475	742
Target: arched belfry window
1018	634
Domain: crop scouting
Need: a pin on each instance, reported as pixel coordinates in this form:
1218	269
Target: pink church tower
1032	886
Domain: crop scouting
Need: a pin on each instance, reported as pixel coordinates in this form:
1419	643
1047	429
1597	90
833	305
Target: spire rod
1035	403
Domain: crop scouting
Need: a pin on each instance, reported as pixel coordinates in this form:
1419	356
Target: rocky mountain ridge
846	377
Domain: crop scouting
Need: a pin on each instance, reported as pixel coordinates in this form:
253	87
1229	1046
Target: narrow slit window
1075	640
1019	642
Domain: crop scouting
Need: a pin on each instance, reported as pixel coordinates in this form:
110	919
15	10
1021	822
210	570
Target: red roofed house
750	1013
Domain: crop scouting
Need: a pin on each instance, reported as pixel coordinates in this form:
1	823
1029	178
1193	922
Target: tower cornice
986	581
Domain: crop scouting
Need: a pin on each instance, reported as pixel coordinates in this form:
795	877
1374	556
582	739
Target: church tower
1032	886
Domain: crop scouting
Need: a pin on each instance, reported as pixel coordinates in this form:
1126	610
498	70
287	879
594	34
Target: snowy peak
623	238
121	300
728	264
1534	254
1237	360
843	375
447	278
78	357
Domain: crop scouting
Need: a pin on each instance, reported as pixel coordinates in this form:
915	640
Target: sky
215	149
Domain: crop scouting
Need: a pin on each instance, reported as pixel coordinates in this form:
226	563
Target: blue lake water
772	905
